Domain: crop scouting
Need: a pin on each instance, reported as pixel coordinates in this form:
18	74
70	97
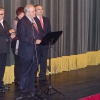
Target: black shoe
37	92
23	95
4	87
32	94
2	90
44	81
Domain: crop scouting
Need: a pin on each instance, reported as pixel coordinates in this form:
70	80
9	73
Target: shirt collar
29	18
1	21
39	17
32	20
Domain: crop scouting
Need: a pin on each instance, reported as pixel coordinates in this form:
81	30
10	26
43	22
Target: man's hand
11	31
38	41
13	35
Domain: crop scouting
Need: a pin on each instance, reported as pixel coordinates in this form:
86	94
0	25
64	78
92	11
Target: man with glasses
5	32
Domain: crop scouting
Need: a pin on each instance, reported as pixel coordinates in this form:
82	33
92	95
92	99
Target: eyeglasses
2	14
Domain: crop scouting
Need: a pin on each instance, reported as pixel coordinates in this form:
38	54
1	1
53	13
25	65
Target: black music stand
50	39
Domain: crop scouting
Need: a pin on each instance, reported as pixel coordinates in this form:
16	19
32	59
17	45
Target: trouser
42	53
28	74
18	66
3	58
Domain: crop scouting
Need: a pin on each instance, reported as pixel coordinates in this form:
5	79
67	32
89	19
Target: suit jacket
25	34
38	35
47	25
4	37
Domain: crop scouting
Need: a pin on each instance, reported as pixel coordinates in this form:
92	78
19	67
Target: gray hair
27	7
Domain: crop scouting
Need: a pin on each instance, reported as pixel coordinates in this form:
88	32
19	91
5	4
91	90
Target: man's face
39	10
2	13
31	12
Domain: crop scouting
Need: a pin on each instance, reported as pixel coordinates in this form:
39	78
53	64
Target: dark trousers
17	67
28	74
3	58
42	52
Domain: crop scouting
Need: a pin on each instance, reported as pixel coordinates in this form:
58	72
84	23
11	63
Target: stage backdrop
79	20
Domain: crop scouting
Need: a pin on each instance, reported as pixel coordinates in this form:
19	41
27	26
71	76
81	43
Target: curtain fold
78	46
78	19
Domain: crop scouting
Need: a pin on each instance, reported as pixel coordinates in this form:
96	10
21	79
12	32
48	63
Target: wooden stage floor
74	84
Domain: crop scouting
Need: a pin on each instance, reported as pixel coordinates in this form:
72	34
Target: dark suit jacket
25	34
38	35
47	25
4	37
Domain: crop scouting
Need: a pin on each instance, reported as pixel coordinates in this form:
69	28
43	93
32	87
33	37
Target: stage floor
74	84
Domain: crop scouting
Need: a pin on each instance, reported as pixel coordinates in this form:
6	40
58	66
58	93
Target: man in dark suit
27	51
5	32
42	51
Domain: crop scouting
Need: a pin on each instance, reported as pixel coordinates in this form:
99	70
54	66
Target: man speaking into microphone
27	51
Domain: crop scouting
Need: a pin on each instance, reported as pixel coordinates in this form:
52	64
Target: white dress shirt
2	23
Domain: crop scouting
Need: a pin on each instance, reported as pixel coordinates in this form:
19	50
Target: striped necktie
35	26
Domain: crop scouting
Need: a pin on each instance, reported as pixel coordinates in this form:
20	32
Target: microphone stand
48	90
36	95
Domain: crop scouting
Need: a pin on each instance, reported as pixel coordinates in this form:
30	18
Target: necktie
41	21
35	26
